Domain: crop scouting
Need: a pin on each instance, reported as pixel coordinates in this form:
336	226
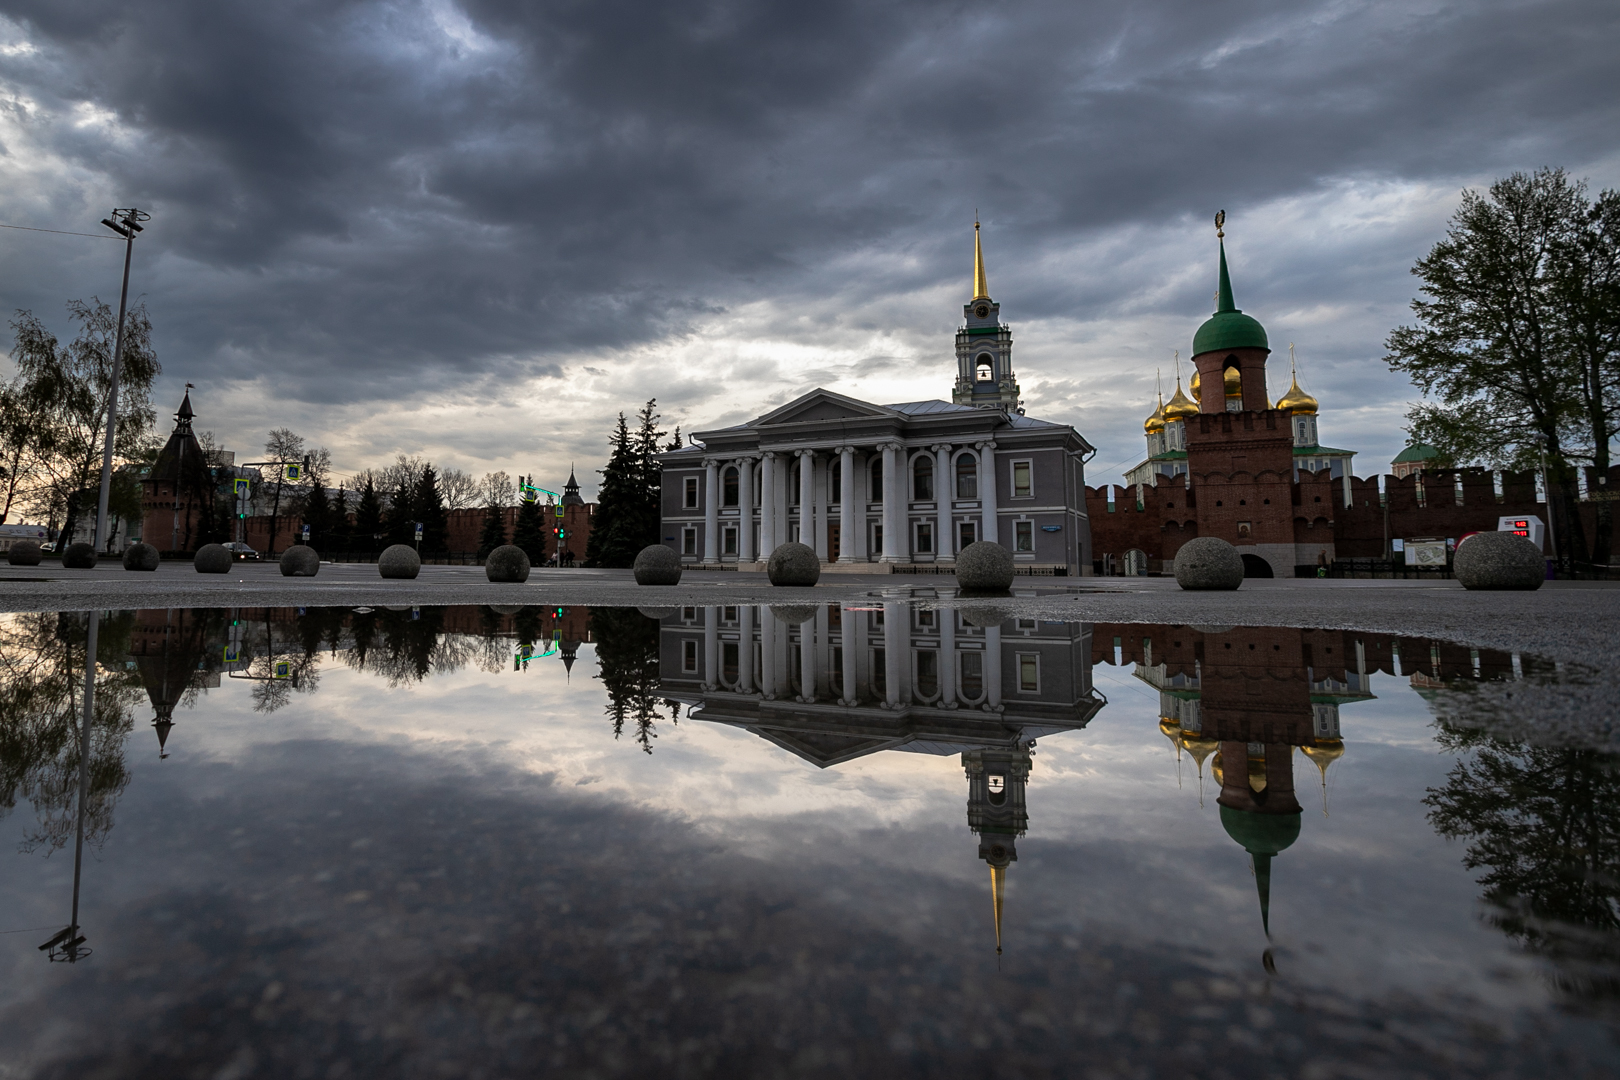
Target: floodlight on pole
126	223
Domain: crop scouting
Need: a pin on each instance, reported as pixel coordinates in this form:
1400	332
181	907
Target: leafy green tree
429	506
368	515
1543	822
1518	337
54	418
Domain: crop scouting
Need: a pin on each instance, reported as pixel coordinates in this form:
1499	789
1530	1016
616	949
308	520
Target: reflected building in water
831	683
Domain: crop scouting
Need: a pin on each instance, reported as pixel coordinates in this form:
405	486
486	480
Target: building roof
1228	328
1416	452
1307	451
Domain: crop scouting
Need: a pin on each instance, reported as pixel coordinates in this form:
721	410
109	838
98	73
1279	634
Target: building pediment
823	405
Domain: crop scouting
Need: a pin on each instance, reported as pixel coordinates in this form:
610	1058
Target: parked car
241	552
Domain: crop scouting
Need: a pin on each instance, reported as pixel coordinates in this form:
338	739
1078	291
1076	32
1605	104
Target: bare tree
402	475
496	489
457	489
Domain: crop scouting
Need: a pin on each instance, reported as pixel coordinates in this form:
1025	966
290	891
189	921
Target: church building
881	488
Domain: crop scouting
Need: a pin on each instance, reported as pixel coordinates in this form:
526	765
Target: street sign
419	530
306	534
1427	553
295	473
283	669
243	486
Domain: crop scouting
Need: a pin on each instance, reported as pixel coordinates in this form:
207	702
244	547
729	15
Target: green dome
1416	452
1260	834
1229	330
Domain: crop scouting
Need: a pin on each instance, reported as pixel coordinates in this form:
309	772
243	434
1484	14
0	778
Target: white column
711	511
807	660
846	504
711	648
944	542
992	669
745	512
947	658
820	487
745	650
807	497
987	491
894	640
850	643
767	504
782	493
893	507
767	653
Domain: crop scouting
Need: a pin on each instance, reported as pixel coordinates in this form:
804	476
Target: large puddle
870	839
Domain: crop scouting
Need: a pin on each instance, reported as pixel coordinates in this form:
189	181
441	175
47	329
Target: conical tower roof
981	287
1228	328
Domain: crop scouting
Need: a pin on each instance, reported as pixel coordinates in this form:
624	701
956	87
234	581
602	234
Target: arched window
922	479
793	482
967	477
729	498
986	368
875	493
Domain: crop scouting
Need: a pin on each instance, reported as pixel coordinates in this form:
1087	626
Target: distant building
888	487
1414	459
180	495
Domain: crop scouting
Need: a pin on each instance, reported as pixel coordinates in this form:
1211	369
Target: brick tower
1240	451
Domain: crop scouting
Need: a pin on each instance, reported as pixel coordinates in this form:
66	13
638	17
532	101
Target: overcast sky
475	231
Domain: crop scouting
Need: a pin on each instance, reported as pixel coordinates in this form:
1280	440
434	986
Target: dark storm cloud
383	198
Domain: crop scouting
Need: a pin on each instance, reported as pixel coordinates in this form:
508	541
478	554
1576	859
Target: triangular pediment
820	405
822	748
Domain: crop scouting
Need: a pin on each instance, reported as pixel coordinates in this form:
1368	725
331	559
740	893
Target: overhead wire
61	232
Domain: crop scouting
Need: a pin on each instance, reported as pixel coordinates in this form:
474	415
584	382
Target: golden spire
981	289
998	892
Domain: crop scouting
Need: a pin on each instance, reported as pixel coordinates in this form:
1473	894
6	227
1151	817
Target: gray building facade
884	487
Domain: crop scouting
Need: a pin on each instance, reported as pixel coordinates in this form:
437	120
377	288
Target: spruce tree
530	532
613	528
401	516
318	515
368	517
429	506
494	534
650	473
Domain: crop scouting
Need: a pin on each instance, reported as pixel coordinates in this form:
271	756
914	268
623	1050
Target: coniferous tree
429	506
627	658
368	517
318	515
530	532
494	533
628	511
402	514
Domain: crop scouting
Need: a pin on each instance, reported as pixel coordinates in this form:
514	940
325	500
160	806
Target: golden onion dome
1180	407
1155	423
1199	748
1233	378
1324	752
1192	386
1170	728
1217	769
1297	401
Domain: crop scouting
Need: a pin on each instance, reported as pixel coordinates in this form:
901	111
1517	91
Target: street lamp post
125	223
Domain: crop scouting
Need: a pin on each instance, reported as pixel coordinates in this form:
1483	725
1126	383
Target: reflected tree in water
406	646
1544	822
41	687
627	663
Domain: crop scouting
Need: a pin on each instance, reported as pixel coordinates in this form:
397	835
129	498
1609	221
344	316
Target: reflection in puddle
495	875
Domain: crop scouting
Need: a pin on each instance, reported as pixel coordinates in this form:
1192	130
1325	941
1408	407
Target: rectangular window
728	663
1023	487
793	532
927	672
689	655
965	534
835	677
689	614
1023	536
877	539
926	620
970	666
1029	673
689	542
691	492
874	620
728	615
880	672
925	538
729	537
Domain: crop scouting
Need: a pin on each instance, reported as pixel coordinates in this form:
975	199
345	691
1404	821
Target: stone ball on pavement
658	565
506	609
80	556
507	563
983	567
794	564
139	556
1499	560
399	561
982	615
212	559
1208	562
659	613
24	553
300	560
794	614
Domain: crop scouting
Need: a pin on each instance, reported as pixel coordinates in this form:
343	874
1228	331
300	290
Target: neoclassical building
881	487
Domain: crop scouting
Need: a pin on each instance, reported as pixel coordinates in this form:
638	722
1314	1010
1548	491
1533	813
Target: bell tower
984	373
996	779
